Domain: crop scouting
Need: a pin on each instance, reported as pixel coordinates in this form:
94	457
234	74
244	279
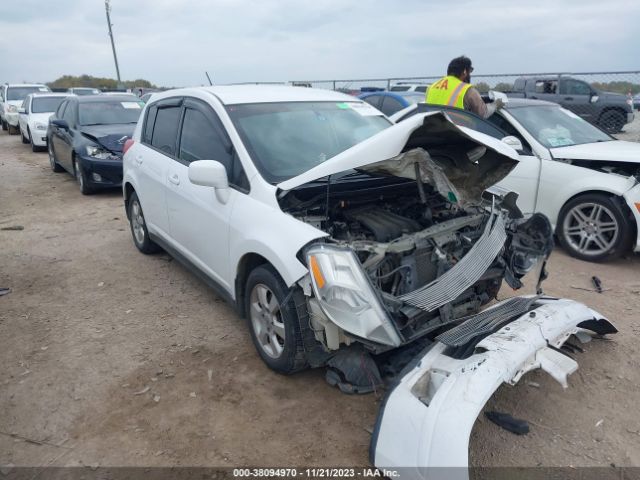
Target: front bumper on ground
109	171
632	197
423	427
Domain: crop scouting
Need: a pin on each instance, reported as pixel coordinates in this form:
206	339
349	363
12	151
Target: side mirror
209	173
594	97
21	110
513	142
60	124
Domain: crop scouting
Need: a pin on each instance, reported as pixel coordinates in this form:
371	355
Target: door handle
174	179
568	98
138	160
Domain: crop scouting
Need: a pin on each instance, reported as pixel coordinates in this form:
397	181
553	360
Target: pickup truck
609	111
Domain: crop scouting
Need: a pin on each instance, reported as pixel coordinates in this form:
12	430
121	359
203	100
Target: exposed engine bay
407	235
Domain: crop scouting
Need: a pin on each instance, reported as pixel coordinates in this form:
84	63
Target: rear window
109	113
165	130
46	104
20	93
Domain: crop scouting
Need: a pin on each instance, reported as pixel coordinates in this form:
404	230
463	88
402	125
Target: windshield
287	139
20	93
109	113
554	126
45	104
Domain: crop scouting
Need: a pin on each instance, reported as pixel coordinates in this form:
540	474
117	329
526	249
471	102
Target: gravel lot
114	358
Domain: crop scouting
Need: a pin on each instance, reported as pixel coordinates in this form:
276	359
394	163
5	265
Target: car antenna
208	78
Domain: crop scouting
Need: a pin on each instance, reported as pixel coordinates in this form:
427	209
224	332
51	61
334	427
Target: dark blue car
86	137
392	102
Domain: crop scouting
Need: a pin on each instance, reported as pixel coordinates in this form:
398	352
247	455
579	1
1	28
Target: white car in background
350	242
584	180
83	91
11	97
410	87
34	117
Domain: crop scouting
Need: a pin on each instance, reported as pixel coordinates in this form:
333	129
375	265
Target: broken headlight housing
346	295
97	152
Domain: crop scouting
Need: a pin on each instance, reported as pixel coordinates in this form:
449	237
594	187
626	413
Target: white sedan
34	117
345	240
583	179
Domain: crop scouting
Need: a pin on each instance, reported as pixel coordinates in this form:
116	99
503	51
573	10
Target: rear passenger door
199	222
151	161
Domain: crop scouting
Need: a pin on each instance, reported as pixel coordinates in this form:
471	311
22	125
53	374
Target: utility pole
107	7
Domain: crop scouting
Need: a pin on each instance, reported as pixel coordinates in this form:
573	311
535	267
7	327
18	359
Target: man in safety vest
455	90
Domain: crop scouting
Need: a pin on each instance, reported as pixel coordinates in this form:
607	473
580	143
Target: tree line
103	83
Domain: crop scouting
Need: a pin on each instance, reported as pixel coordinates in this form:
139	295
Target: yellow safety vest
447	91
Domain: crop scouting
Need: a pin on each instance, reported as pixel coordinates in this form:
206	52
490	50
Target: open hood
471	161
613	151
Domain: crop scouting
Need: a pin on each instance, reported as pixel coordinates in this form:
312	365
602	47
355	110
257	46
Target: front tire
81	178
273	321
24	139
612	121
5	127
594	227
12	130
138	226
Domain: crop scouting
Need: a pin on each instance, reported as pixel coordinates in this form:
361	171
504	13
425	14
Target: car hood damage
426	420
461	163
111	137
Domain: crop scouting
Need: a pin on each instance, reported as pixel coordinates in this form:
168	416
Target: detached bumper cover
426	420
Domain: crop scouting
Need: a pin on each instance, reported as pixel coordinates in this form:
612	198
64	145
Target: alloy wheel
266	320
591	229
137	222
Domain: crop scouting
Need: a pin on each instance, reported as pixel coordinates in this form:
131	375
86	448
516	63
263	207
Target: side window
547	86
202	137
149	122
60	110
165	129
69	114
390	106
373	100
574	87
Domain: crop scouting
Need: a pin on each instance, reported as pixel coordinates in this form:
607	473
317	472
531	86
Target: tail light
127	145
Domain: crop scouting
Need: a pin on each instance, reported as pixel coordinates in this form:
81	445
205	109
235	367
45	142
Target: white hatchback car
34	117
11	97
351	242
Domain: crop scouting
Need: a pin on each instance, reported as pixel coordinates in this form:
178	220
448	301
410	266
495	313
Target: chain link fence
610	100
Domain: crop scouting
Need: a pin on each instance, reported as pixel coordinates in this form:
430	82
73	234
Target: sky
173	42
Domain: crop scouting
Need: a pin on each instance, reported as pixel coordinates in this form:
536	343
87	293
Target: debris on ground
143	391
209	374
597	283
599	422
4	291
533	384
156	398
13	227
509	423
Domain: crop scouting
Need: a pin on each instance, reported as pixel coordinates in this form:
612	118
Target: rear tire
138	226
594	227
52	159
12	130
273	321
612	121
4	125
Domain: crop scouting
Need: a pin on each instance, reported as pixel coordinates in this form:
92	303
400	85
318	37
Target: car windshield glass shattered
20	93
556	127
109	113
46	104
287	139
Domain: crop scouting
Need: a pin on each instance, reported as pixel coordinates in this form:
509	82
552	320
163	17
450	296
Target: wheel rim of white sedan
266	320
591	228
137	222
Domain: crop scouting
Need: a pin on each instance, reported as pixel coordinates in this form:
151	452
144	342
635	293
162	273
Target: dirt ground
110	357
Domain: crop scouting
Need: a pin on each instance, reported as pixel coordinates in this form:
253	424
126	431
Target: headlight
40	126
12	109
97	152
346	296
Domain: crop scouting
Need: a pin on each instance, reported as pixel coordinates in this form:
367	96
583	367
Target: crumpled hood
470	160
613	151
111	137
